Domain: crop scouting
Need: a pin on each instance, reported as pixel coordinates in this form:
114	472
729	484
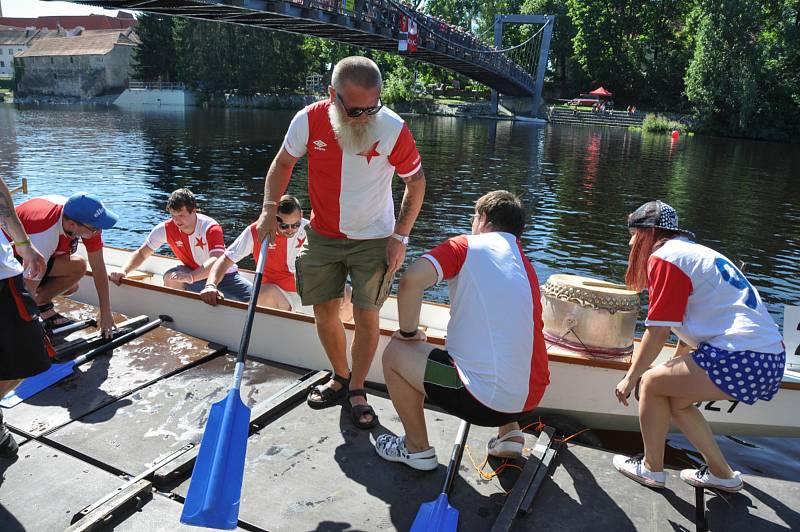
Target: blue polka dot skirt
747	376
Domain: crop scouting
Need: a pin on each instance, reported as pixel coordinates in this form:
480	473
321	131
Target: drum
589	315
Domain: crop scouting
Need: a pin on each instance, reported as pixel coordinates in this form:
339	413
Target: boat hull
580	386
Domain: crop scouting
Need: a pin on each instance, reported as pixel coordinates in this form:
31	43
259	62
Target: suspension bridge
516	70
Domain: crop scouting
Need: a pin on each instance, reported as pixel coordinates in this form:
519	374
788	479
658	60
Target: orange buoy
675	134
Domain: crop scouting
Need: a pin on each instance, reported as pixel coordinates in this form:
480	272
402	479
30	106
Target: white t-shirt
351	193
279	269
703	297
195	249
9	266
495	331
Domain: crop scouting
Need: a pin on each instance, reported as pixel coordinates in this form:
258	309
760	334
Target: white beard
353	137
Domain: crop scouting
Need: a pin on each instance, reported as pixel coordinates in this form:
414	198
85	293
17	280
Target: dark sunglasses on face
284	226
355	112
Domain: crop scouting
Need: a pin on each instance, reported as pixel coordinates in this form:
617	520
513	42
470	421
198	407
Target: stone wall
80	76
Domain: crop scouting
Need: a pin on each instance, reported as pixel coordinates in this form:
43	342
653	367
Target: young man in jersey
54	224
278	288
354	147
22	340
493	370
197	241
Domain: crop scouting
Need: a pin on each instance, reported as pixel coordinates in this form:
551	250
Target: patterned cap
657	214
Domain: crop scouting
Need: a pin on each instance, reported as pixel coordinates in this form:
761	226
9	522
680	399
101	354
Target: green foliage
155	56
655	123
398	87
743	79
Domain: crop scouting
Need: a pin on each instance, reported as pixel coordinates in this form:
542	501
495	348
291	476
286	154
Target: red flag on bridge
413	37
402	43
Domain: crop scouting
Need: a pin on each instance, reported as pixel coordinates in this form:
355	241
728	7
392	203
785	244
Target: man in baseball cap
54	225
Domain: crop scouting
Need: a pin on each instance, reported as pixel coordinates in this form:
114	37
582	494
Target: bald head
360	71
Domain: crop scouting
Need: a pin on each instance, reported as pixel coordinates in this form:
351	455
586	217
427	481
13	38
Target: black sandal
56	320
357	411
328	396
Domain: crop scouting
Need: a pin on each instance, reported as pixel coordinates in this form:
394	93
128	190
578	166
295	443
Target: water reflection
738	196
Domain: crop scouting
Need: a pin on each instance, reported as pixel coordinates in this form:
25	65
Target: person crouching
493	370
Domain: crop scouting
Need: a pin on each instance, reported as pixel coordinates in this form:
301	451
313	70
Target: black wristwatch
408	334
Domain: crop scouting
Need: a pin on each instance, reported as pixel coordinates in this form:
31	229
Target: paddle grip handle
455	456
72	327
118	341
251	310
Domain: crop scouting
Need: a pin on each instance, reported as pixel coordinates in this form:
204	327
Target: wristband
26	242
408	334
210	285
269	202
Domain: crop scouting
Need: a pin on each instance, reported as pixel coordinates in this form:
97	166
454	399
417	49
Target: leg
64	276
233	286
172	283
271	296
346	308
365	342
682	381
696	429
331	334
404	371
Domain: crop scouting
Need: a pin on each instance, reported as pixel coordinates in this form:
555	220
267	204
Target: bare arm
419	276
203	271
211	293
278	176
411	204
98	264
652	343
32	260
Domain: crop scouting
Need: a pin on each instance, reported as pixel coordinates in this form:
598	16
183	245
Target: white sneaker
702	478
635	469
393	449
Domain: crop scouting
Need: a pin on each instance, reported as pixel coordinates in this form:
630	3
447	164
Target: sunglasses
285	226
355	112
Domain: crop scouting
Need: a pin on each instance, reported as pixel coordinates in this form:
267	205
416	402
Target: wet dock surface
306	469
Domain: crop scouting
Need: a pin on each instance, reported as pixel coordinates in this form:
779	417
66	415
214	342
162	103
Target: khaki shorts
324	263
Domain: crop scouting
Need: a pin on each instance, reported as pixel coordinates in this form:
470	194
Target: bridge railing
432	33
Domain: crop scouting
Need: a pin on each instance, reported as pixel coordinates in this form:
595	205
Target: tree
155	55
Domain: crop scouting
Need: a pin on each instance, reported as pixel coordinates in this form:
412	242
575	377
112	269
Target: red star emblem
301	240
373	152
199	242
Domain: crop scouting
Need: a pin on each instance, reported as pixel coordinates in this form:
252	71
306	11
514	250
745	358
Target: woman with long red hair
734	352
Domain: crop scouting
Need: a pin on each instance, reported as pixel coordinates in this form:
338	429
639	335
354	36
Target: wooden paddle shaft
455	456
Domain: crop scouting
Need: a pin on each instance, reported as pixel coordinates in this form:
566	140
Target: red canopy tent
600	91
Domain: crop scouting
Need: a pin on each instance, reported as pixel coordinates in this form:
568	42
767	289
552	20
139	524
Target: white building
13	41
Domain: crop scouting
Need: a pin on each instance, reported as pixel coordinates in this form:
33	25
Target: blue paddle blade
33	385
216	485
436	516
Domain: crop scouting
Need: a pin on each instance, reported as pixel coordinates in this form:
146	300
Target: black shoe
8	445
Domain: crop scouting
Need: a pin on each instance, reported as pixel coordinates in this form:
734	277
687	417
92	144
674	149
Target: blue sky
37	8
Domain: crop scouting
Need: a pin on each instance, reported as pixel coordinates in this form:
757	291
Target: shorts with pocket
444	388
324	263
23	345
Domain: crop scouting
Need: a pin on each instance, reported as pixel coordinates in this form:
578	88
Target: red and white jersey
9	266
351	193
194	249
42	219
703	297
279	269
495	330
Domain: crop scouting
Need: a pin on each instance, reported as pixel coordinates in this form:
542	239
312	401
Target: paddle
33	385
72	327
438	515
216	485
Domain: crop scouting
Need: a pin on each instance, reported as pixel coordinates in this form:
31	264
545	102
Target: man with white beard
354	147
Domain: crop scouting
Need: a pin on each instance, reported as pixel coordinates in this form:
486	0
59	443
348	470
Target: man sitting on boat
278	288
197	241
735	348
54	224
493	370
22	340
354	147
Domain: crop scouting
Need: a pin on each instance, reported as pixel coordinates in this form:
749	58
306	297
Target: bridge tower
547	21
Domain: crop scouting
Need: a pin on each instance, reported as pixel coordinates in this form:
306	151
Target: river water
740	197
